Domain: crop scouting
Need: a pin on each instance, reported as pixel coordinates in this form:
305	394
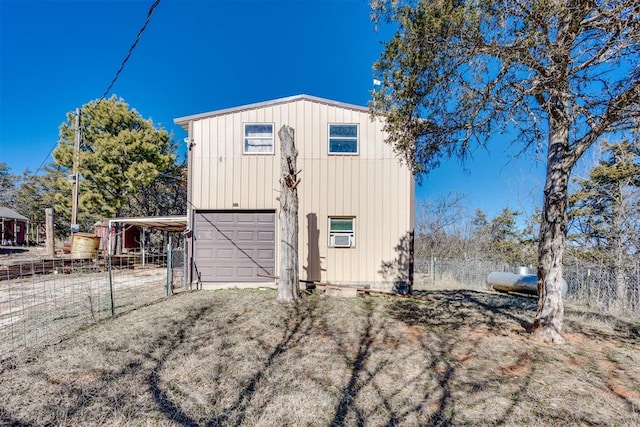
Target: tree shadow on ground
297	324
622	330
468	325
439	360
443	316
454	308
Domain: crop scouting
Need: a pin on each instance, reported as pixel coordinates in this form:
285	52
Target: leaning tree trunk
547	324
288	286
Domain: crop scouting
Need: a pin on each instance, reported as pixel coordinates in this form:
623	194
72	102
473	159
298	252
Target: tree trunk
548	322
117	249
617	211
288	286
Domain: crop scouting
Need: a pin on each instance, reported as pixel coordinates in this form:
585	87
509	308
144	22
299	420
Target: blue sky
198	56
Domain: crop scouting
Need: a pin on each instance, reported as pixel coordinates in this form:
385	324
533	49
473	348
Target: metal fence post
184	263
169	267
110	270
433	271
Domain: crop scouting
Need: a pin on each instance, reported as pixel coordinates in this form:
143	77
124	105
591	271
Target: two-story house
356	209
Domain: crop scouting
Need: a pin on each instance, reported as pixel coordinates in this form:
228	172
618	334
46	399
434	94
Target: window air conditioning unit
341	240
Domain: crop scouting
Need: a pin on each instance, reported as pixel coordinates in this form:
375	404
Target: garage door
234	246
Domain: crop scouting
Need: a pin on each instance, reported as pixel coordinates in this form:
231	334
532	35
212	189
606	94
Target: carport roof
165	223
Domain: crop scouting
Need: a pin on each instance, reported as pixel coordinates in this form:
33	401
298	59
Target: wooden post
50	240
288	286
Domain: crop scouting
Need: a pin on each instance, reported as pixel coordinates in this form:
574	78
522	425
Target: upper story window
258	138
343	139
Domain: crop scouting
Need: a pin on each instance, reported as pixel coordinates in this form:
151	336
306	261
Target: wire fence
595	286
43	300
587	284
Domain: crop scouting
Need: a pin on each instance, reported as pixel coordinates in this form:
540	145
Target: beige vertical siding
372	186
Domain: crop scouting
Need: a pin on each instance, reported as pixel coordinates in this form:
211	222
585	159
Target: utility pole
74	195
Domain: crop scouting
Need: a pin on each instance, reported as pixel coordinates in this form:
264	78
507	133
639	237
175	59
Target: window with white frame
343	139
342	232
258	138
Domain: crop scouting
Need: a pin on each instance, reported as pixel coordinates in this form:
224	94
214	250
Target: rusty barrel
85	245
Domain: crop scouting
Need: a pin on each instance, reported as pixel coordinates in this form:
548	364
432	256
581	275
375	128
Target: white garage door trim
234	246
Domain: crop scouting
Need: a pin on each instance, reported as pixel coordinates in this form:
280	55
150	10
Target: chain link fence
595	286
42	300
467	273
590	285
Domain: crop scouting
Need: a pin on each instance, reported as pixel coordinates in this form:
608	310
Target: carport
165	223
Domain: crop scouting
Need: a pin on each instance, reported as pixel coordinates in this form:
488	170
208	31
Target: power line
124	62
45	160
133	46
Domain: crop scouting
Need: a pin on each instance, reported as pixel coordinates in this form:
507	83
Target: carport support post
110	270
185	262
169	269
142	247
288	286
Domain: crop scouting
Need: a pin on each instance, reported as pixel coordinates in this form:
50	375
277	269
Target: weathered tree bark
288	286
117	249
548	323
50	239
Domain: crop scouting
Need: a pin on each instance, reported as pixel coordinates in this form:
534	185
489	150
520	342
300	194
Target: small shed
13	227
131	235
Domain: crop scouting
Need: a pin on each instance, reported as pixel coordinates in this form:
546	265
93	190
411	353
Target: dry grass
236	357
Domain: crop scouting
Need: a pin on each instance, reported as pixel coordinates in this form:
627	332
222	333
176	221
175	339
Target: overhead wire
133	46
115	78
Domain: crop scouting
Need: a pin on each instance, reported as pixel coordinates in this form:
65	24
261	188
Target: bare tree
288	285
559	74
443	228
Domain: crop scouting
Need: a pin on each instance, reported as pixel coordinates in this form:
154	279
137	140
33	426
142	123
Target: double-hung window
342	232
258	138
343	139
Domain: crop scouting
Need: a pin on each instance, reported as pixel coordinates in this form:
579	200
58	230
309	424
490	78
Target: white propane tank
523	283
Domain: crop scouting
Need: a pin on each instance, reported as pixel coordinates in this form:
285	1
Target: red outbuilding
13	228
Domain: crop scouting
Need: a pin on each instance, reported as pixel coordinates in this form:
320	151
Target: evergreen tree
505	238
558	74
7	182
121	155
166	195
35	193
606	210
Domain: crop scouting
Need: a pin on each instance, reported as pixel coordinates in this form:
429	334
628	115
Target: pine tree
121	155
606	211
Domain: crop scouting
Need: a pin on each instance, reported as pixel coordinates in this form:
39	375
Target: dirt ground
238	357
